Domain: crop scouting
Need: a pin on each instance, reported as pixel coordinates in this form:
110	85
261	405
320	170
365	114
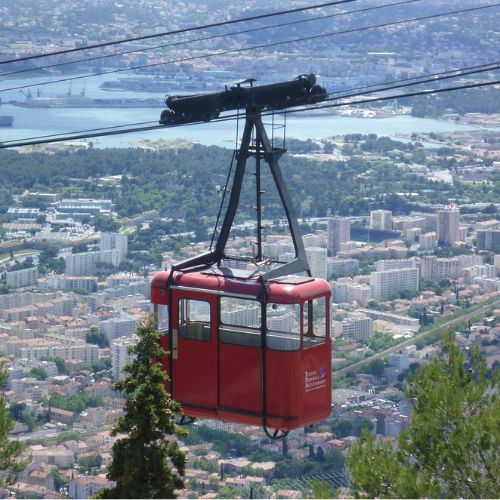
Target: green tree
335	458
450	448
62	367
342	427
146	464
376	367
11	462
38	373
95	336
321	489
59	481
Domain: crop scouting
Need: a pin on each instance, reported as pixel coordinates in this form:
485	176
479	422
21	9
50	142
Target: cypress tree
147	461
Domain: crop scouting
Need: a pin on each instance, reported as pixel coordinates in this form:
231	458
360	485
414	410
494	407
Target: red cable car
250	347
223	367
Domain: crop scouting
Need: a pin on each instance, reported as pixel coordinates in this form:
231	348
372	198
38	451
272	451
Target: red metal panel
277	292
315	388
283	377
219	380
194	373
240	377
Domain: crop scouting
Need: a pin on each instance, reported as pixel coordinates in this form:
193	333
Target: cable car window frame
245	336
309	338
161	315
280	333
185	326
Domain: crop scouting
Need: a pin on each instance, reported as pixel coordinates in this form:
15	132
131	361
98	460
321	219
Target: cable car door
194	350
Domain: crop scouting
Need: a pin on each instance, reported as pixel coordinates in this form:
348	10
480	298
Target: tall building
339	231
21	277
317	258
448	222
355	326
496	262
234	313
488	239
385	283
428	241
390	264
345	290
381	219
120	355
122	326
487	271
341	267
85	263
113	241
434	268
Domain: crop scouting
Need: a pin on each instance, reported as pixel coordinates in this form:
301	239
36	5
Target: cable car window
283	327
161	315
315	319
240	321
194	320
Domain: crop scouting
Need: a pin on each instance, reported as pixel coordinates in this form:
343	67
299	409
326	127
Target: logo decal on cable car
315	380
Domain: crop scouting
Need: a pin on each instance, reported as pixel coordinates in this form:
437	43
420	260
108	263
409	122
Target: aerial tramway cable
255	47
178	31
207	38
84	135
384	86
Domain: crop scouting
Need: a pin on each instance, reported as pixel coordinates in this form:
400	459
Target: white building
22	277
88	353
314	240
408	222
381	219
428	241
485	271
448	222
87	486
358	327
434	268
345	290
120	355
85	263
342	267
233	313
78	208
399	360
496	261
390	264
123	326
113	241
21	213
385	283
339	231
316	256
53	282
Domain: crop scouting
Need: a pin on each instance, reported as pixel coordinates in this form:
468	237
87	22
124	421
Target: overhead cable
178	31
380	87
207	38
255	47
296	110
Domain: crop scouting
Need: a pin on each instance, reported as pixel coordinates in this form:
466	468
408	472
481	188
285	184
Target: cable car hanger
302	90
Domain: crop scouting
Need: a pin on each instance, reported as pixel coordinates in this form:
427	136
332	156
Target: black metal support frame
263	149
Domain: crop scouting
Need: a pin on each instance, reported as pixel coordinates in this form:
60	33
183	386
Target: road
406	343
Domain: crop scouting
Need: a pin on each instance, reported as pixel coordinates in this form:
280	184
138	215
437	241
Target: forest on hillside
182	183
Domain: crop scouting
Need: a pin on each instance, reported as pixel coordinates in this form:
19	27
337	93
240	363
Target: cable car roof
287	290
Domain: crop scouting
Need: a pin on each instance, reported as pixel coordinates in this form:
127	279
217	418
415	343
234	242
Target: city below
397	198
